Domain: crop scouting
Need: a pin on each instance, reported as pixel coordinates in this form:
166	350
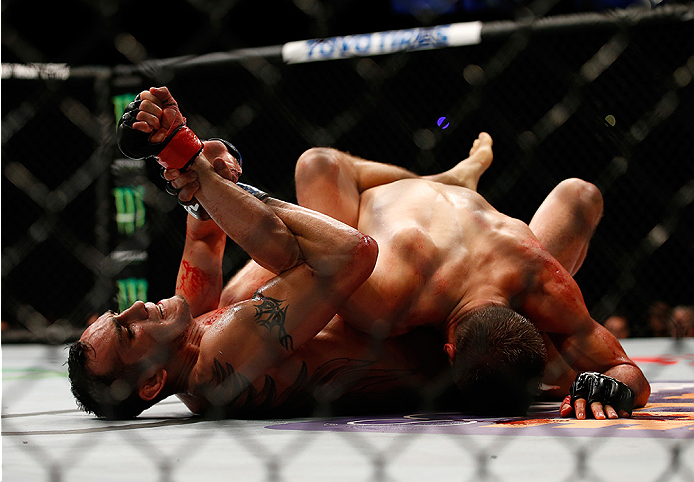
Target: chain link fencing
604	97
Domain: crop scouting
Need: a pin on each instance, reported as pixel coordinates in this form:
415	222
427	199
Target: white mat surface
45	438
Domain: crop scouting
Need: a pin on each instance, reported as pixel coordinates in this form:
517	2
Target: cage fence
606	101
603	97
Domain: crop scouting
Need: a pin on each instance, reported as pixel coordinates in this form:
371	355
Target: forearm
199	278
605	355
601	352
276	234
596	350
632	376
252	224
328	246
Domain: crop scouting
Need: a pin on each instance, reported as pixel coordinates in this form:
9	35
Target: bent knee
317	162
584	197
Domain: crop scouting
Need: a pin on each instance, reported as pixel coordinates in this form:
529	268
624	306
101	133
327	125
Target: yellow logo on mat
650	417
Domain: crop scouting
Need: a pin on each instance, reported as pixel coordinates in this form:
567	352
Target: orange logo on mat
654	416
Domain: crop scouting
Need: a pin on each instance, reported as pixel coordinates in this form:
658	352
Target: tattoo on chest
270	313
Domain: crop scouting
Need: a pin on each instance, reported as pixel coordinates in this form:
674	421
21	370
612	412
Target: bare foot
467	172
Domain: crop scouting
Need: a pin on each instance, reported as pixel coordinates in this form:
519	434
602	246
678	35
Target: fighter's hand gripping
185	184
153	126
599	395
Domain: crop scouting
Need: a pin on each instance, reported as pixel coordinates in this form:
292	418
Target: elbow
348	263
365	255
357	262
643	394
632	376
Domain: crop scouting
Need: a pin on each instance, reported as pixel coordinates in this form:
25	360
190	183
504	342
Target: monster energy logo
130	208
120	102
130	290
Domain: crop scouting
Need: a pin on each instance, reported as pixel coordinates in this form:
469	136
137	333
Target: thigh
327	182
566	220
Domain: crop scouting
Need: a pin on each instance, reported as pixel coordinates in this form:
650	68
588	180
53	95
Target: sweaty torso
441	248
347	369
341	368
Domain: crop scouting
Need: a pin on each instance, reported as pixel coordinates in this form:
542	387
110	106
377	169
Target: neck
452	323
187	357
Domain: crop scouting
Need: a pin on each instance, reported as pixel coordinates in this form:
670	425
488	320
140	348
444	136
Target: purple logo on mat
668	414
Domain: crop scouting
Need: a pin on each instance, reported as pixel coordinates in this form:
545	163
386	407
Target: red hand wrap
183	147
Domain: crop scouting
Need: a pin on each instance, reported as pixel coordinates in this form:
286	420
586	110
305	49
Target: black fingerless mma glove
596	387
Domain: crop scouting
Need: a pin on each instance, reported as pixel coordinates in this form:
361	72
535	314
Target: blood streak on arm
197	287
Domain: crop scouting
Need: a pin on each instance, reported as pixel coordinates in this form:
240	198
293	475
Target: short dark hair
499	361
112	396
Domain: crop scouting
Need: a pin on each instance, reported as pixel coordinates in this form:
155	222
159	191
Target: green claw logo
120	102
130	208
131	290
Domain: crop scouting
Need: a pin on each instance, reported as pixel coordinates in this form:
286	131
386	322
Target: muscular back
441	248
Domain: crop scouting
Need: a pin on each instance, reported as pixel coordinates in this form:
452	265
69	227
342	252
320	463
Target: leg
467	172
567	219
276	234
331	182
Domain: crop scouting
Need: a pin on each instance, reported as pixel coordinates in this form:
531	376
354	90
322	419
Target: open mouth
161	310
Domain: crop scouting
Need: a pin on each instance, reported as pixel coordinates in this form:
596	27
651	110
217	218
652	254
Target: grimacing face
141	331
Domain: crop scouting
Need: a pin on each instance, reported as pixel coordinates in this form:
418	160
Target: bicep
281	316
244	283
557	308
260	332
292	308
593	350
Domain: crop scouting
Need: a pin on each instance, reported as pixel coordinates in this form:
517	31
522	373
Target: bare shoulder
233	341
552	300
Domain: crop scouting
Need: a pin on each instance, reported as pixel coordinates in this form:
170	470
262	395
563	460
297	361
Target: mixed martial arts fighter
488	282
500	291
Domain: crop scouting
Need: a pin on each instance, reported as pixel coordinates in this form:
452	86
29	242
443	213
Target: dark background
548	122
89	32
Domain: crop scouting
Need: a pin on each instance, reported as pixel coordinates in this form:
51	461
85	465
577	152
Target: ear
449	348
152	386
